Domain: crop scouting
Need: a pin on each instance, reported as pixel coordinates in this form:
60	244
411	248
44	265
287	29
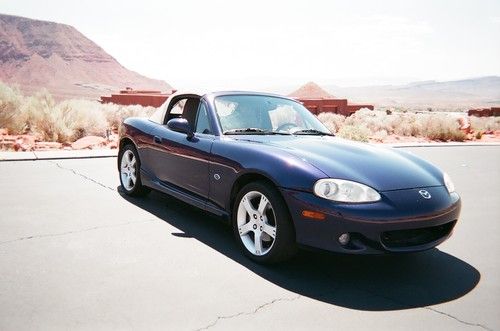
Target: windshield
260	114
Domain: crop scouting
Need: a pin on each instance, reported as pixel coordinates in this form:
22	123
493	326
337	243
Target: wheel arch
243	180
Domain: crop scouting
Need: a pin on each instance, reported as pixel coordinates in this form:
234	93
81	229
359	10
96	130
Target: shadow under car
372	283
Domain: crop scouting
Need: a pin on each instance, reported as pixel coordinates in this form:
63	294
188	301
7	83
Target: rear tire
130	174
262	224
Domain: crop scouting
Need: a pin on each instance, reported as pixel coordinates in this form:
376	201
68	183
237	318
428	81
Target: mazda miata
270	168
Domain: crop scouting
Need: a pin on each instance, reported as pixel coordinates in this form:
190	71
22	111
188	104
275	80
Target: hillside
475	92
39	54
310	90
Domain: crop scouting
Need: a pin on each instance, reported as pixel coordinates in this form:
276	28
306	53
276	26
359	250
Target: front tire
262	224
130	175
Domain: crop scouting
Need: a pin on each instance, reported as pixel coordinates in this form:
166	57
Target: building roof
311	90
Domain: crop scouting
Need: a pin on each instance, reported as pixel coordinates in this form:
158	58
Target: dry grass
332	121
10	104
377	125
70	120
354	132
66	121
485	124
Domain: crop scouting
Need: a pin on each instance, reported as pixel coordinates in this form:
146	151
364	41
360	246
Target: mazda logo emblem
425	194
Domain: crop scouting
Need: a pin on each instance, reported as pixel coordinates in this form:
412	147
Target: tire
129	172
260	212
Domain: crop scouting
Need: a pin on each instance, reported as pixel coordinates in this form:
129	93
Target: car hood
382	168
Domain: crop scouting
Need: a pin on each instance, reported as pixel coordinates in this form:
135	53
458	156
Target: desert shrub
379	135
66	121
372	119
378	125
440	127
40	118
10	103
352	132
115	114
332	121
407	124
485	124
81	118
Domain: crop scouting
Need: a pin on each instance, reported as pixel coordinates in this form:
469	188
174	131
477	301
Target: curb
105	153
57	155
450	144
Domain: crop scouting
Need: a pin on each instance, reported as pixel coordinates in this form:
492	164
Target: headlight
448	183
345	191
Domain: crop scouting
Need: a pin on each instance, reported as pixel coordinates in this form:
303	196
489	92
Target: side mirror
180	125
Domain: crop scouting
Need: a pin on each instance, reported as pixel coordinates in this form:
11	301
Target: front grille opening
416	237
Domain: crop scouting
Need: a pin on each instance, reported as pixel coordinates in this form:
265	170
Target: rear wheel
130	176
262	224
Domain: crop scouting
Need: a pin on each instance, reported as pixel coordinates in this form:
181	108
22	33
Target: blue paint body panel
204	170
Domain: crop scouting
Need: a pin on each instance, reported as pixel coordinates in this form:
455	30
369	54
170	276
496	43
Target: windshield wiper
313	132
253	131
245	131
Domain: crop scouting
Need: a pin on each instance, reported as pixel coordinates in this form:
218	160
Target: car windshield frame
260	114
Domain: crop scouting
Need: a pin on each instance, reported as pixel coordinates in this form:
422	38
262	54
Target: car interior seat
190	110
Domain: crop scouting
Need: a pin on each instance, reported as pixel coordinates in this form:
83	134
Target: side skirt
184	196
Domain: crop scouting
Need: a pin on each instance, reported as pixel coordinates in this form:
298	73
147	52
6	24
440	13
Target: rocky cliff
38	54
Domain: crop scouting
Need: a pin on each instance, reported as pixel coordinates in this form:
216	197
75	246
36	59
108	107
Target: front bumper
402	221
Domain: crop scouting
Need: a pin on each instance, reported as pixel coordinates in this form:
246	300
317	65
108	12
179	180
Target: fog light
344	239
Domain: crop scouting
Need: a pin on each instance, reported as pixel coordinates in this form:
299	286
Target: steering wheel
288	126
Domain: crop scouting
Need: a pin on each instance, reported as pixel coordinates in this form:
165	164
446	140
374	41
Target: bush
352	132
332	121
70	120
377	125
485	124
10	103
441	127
66	121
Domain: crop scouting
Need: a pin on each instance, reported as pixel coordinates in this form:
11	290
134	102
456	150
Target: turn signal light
314	215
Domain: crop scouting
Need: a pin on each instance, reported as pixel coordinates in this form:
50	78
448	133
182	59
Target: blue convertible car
268	166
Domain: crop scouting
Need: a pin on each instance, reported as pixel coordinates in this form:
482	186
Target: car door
184	162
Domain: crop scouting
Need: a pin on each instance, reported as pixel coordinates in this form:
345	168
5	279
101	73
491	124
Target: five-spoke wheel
256	223
128	170
130	178
262	223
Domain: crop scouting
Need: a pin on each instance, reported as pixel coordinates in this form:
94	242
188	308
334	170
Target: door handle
157	139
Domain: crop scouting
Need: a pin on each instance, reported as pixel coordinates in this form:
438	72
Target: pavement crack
458	319
254	311
402	303
82	175
72	232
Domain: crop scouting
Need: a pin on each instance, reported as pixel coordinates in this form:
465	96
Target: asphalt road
76	254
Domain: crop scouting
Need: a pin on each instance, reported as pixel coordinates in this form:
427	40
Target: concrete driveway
76	254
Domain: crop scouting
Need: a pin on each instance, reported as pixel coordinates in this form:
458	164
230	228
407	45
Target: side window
178	108
185	108
202	124
176	111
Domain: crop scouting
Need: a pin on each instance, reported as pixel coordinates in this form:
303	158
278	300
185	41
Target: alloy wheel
256	222
128	171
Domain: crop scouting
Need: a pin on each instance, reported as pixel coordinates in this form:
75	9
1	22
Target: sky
271	44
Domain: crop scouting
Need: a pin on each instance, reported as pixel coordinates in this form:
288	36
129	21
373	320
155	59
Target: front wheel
130	176
262	224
